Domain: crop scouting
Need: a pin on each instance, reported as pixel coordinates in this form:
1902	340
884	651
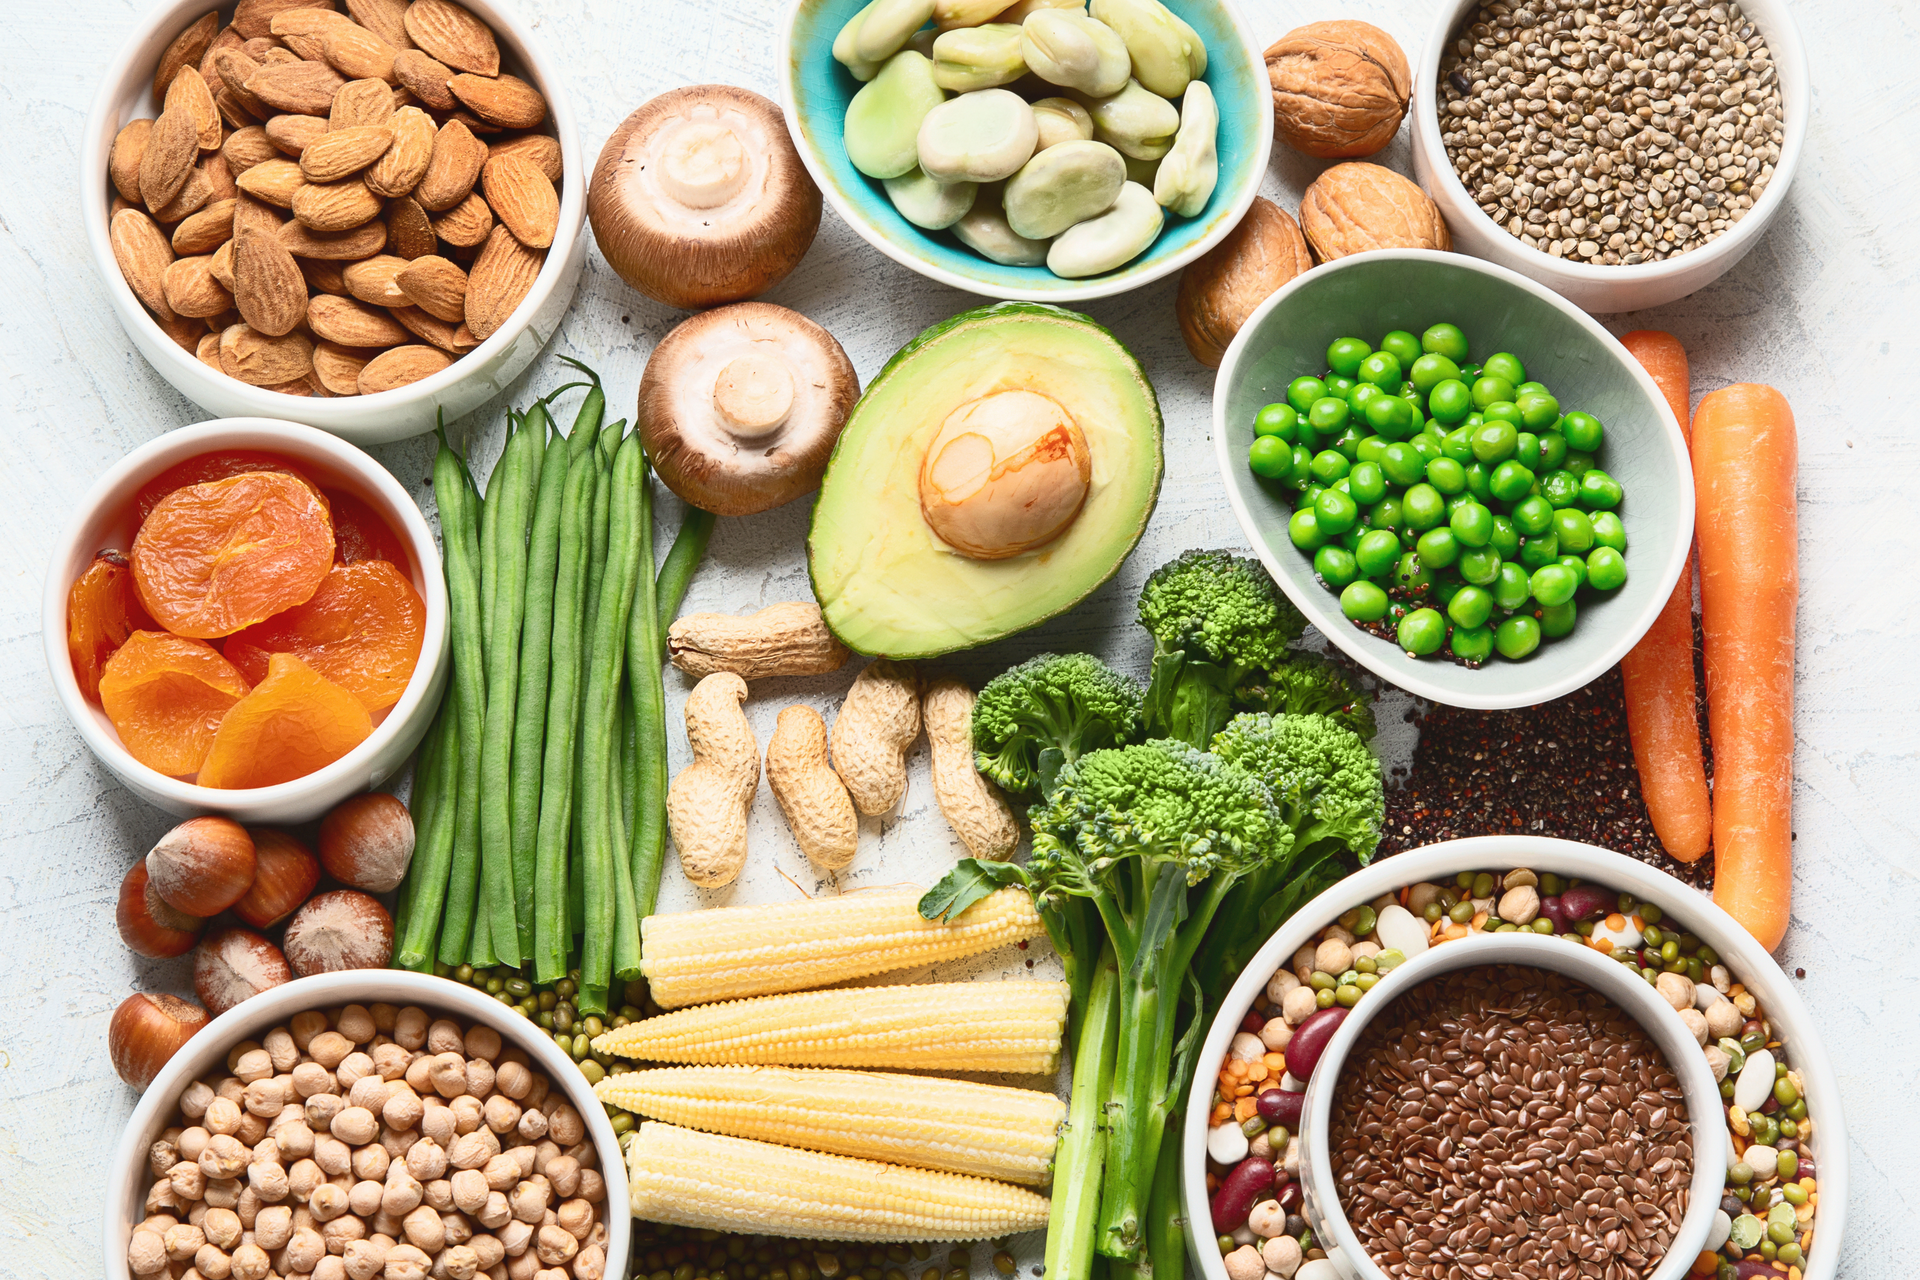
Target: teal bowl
1370	294
815	91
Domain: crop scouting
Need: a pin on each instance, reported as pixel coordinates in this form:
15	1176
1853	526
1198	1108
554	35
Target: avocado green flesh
886	584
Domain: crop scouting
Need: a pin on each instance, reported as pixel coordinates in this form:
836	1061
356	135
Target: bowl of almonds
373	206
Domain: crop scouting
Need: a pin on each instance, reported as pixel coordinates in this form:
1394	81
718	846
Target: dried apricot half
219	556
361	533
215	466
294	722
362	630
103	609
167	696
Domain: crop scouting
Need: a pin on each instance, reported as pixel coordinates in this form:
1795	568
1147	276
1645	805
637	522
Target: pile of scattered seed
1505	1120
1615	133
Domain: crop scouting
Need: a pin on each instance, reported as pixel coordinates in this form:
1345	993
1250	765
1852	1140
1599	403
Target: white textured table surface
1822	309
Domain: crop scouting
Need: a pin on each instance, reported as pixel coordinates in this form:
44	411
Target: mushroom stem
753	395
703	163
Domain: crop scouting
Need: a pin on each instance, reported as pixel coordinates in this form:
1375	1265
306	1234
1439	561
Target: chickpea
364	1259
330	1268
564	1125
426	1159
593	1187
554	1245
322	1108
363	1197
514	1237
537	1091
329	1049
575	1217
222	1118
223	1227
469	1190
327	1202
273	1228
563	1172
529	1202
269	1181
303	1177
590	1263
522	1160
341	1232
183	1240
406	1262
355	1126
444	1037
332	1155
254	1064
496	1212
473	1150
425	1230
213	1262
532	1126
448	1075
488	1249
479	1077
397	1142
188	1182
438	1195
246	1208
419	1076
356	1023
353	1068
310	1078
304	1026
513	1079
469	1113
250	1263
390	1060
402	1193
459	1227
295	1139
281	1050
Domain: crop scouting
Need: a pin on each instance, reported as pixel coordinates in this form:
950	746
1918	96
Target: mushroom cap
740	407
699	197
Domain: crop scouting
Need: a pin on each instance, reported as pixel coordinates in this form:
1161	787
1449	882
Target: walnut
1221	288
1354	207
1340	89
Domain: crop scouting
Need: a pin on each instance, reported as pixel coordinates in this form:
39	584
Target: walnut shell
1354	207
1221	288
1340	89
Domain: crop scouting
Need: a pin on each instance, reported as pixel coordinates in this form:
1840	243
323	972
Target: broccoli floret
1047	712
1308	684
1322	776
1216	619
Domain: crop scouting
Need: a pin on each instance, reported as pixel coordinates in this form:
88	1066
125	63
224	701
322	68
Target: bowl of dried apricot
248	617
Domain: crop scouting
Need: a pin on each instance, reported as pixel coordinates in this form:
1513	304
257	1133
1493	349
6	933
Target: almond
275	181
405	163
337	368
300	387
184	331
253	19
385	18
264	361
250	211
186	51
233	68
194	195
206	230
466	224
374	281
245	148
425	79
208	352
344	152
451	338
336	206
543	151
409	234
436	286
236	114
480	128
457	159
522	199
300	29
220	182
323	276
400	366
352	324
334	246
271	53
221	265
361	103
190	92
500	280
123	162
192	290
268	287
227	39
172	147
454	36
356	52
507	101
144	255
303	88
115	205
294	134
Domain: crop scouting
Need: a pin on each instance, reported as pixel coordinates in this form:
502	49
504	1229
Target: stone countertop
1823	309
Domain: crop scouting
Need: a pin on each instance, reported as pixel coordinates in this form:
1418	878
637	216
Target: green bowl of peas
1459	477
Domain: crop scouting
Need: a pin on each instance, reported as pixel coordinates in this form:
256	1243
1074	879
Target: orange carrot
1662	721
1745	457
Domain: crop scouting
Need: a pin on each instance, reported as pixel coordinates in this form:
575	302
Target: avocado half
886	584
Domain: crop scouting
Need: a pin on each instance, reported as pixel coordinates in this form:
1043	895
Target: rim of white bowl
1790	60
253	433
341	412
1359	645
1096	287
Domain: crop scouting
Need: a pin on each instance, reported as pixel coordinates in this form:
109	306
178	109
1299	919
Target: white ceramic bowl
1369	294
126	93
105	519
1607	977
206	1053
1609	290
1793	1023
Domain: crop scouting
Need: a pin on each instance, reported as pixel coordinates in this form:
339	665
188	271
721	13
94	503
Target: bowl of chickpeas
360	1124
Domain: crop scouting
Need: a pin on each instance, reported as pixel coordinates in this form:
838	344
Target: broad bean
1067	48
1135	122
1144	172
1061	120
949	14
883	120
1115	237
985	231
977	137
926	203
1187	176
845	43
1061	186
969	58
885	26
1166	52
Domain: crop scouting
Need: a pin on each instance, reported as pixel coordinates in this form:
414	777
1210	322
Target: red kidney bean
1550	909
1252	1023
1289	1197
1310	1041
1748	1268
1278	1106
1588	901
1250	1181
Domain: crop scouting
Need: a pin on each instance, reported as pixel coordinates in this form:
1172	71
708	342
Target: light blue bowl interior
822	89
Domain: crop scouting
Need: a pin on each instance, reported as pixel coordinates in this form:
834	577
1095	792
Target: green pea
1390	416
1361	395
1789	1165
1479	566
1583	432
1533	515
1512	588
1347	443
1472	423
1510	481
1345	354
1458	445
1505	411
1351	538
1428	447
1329	465
1387	513
1328	415
1449	400
1537	408
1270	458
1574	530
1517	637
1472	524
1554	584
1423	505
1553	451
1437	548
1276	419
1577	566
1338	385
1447	475
1422	632
1599	491
1370	449
1362	601
1477	482
1430	370
1335	513
1303	529
1376	552
1411	574
1526	450
1505	364
1471	606
1560	488
1579	463
1303	391
1367	483
1489	389
1445	340
1402	463
1506	538
1304	502
1472	644
1402	346
1606	569
1495	441
1539	551
1557	620
1382	369
1336	566
1608	531
1444	587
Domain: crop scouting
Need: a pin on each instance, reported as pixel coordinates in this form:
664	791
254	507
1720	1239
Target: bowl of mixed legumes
1623	155
1782	1199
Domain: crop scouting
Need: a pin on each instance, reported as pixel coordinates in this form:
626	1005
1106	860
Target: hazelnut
285	873
202	866
147	1030
343	929
1340	89
367	842
147	924
233	964
1354	207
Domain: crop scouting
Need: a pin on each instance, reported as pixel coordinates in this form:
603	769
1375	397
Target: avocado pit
1006	473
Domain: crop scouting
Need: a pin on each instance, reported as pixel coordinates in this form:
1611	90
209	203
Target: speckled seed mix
1611	134
1505	1116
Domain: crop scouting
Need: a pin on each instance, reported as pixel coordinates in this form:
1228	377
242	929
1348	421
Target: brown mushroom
740	407
699	197
1221	288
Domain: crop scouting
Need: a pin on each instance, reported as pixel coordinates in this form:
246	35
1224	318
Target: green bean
646	652
676	571
459	519
480	953
602	512
425	889
536	657
489	567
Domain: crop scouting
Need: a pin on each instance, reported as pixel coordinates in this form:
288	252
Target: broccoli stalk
1047	712
1307	684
